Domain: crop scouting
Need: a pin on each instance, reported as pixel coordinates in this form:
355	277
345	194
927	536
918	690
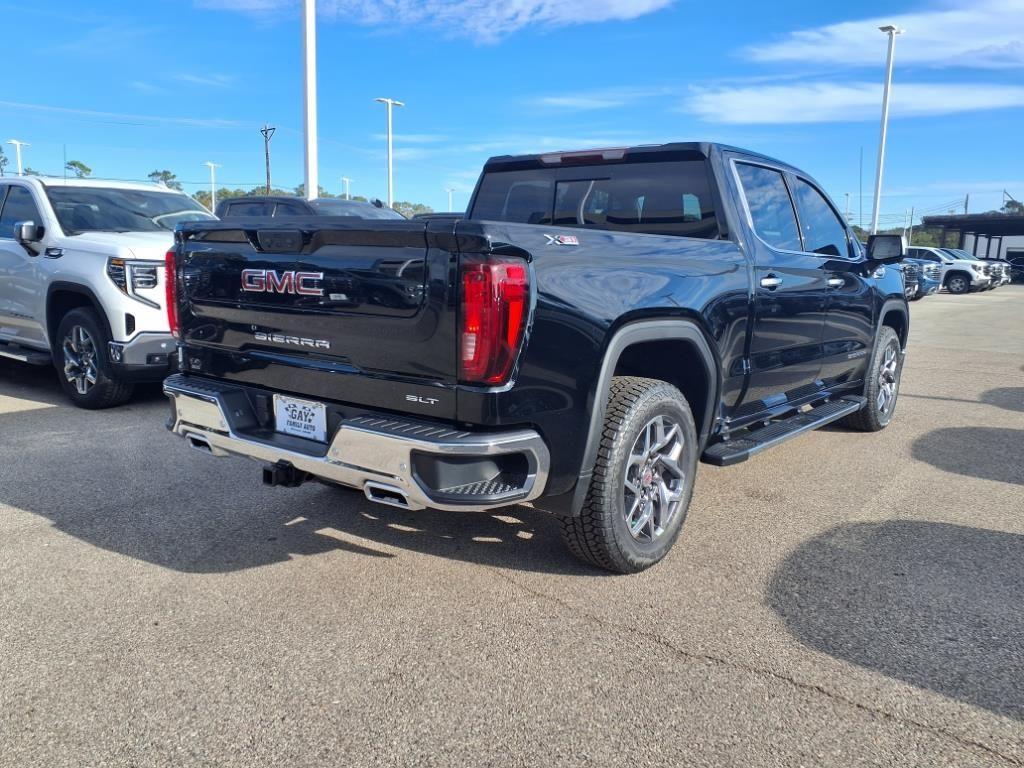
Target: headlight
130	277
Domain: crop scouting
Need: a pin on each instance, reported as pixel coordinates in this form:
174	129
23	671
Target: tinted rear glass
335	207
667	198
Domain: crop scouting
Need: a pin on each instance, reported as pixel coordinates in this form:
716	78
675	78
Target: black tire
873	417
600	534
958	283
107	390
917	297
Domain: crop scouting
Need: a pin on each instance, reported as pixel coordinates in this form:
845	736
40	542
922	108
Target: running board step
24	354
741	448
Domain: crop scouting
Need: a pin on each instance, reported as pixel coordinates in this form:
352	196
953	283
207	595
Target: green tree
300	191
31	172
410	209
203	196
78	168
1013	207
3	162
166	178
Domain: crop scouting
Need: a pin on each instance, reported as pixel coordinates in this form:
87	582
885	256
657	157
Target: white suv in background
959	275
82	280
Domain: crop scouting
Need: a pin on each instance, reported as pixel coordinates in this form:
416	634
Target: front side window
657	198
823	231
107	209
19	206
770	206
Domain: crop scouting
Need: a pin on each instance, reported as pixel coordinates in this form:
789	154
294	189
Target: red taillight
495	305
171	288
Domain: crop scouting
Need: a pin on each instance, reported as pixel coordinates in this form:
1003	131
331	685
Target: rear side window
668	198
290	209
770	206
247	209
19	206
824	232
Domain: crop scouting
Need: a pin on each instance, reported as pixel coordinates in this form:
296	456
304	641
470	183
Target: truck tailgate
354	312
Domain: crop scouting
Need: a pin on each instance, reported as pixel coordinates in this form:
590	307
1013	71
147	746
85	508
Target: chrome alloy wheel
655	479
80	359
889	379
957	284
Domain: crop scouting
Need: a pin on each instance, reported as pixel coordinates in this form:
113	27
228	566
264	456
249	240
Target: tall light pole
309	89
268	134
213	184
892	31
346	181
450	191
17	150
391	103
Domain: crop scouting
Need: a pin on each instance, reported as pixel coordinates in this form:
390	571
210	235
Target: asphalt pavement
843	600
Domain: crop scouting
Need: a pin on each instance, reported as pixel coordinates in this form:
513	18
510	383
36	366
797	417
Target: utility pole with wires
910	233
847	207
213	184
17	151
268	134
967	199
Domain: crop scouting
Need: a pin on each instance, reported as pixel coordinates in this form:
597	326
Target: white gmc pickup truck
82	280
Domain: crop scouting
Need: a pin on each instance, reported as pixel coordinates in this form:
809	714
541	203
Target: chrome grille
933	272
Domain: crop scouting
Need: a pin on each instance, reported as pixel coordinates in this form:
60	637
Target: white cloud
482	20
412	138
145	87
978	34
606	98
820	102
214	80
91	115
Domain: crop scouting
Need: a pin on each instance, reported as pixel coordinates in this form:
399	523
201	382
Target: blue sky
132	86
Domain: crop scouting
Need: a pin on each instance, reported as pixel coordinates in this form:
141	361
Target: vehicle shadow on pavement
990	453
117	480
1010	398
932	604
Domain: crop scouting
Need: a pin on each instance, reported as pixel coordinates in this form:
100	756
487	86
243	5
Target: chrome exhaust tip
387	494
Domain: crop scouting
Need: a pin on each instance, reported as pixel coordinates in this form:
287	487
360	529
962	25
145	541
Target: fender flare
81	290
637	332
894	305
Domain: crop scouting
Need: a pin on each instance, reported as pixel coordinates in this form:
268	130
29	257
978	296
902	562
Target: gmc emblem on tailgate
290	281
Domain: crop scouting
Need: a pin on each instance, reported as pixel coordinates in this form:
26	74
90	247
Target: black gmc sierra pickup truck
595	324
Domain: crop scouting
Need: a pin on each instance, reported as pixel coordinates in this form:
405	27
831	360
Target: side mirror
887	249
26	232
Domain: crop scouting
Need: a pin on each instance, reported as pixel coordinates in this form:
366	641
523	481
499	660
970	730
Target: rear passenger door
21	285
790	293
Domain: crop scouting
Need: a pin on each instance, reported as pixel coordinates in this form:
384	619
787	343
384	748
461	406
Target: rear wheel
883	385
643	479
85	372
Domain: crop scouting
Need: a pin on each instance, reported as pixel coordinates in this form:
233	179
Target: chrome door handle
771	282
836	282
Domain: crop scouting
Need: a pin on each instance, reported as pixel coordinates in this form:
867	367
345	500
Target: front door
849	330
791	296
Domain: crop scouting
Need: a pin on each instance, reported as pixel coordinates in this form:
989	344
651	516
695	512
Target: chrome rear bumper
376	454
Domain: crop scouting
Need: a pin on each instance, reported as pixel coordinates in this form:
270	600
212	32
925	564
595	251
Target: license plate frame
295	417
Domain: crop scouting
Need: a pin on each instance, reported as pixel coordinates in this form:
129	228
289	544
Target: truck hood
126	245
